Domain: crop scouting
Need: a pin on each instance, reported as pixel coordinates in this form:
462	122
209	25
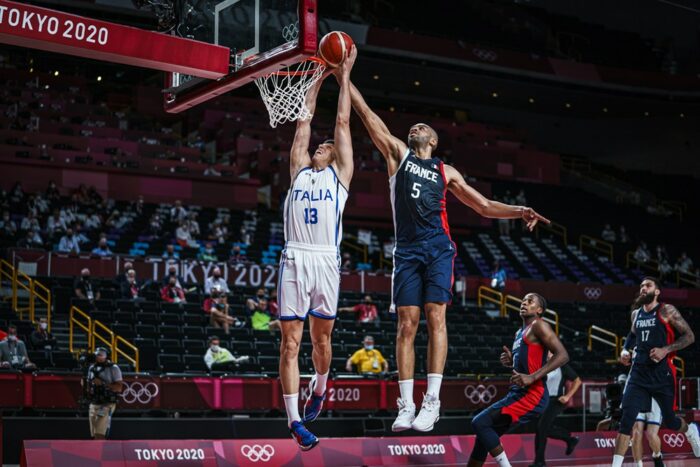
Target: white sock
502	460
656	454
434	382
640	463
617	460
320	383
291	403
406	388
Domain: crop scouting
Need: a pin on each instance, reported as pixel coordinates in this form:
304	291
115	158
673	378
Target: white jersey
313	210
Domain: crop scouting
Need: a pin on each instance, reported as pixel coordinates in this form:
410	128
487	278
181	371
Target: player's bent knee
629	418
289	349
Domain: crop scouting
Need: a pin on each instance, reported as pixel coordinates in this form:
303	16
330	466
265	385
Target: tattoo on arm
671	314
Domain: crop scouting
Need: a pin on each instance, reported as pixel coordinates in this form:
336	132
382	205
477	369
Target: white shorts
309	281
653	417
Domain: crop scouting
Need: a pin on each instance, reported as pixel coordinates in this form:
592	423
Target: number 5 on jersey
415	192
311	215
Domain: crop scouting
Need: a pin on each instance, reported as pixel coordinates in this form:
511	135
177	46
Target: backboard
263	36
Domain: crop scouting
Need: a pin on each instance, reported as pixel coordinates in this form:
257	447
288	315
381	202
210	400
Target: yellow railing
39	289
107	338
7	273
609	338
36	291
24	282
680	366
676	207
599	246
511	302
80	319
553	228
361	249
651	265
490	295
120	341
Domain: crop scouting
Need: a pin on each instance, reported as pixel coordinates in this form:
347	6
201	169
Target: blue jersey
418	199
651	331
528	357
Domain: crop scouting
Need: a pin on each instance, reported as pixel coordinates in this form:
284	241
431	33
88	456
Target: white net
284	92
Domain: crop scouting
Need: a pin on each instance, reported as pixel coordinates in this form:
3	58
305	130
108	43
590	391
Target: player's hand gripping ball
334	48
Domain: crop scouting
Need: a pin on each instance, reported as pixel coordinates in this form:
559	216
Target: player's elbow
564	357
483	207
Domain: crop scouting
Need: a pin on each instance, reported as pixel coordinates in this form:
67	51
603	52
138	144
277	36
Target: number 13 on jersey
311	215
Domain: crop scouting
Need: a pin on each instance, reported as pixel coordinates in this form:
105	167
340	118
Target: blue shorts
423	272
523	405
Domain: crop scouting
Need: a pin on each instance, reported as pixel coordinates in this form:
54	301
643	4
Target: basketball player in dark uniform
424	252
659	331
528	396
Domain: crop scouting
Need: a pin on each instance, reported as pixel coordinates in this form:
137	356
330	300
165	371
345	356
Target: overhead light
99	78
646	114
416	83
605	109
682	115
456	88
391	109
55	73
568	105
46	87
531	100
375	77
31	70
494	94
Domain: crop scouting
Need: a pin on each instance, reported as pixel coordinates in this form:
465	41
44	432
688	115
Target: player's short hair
541	300
329	141
656	282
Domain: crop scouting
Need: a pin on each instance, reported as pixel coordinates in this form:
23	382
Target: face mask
172	273
12	338
215	348
369	347
172	284
86	278
43	325
217	276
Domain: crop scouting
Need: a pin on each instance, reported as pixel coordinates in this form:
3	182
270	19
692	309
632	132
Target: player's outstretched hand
346	65
521	379
531	217
507	357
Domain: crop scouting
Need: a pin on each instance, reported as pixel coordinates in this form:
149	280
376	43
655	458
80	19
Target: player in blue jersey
659	331
424	252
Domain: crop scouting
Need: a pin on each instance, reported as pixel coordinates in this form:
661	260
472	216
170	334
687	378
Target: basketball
334	47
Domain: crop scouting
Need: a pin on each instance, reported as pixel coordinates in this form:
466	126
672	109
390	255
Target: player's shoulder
668	311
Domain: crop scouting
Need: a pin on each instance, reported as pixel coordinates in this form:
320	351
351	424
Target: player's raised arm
390	146
486	207
299	154
545	335
343	139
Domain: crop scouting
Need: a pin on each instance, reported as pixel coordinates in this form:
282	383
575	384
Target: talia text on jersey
313	195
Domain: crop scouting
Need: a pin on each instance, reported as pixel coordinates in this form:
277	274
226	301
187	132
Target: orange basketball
334	47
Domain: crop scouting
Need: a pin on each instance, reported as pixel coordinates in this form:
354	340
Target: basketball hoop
284	91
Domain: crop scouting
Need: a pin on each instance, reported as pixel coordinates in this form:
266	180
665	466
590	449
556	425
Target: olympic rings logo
258	453
485	54
480	393
137	391
674	440
291	31
593	293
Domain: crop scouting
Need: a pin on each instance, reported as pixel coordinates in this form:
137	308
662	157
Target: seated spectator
172	292
217	307
121	278
31	240
253	302
177	212
69	244
236	255
261	318
608	234
55	225
622	237
368	360
193	225
641	254
218	358
684	263
183	236
13	352
30	222
348	264
208	253
170	252
217	234
52	193
93	221
366	311
84	288
216	280
8	227
665	269
130	288
42	339
498	276
172	273
102	249
79	235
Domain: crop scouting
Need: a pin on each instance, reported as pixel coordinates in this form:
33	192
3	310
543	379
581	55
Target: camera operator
613	411
104	382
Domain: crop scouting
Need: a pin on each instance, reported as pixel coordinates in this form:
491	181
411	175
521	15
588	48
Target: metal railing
606	337
489	295
511	302
680	366
36	291
650	265
555	229
678	208
586	242
7	273
107	338
81	320
24	282
120	341
361	249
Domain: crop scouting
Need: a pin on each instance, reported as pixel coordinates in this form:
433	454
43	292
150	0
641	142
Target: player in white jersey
309	274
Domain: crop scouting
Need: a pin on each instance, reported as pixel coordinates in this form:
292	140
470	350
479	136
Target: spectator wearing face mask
217	307
216	280
13	352
366	311
170	252
84	288
42	339
208	253
121	278
172	272
254	302
172	292
131	288
368	360
218	358
236	255
69	243
8	227
102	249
